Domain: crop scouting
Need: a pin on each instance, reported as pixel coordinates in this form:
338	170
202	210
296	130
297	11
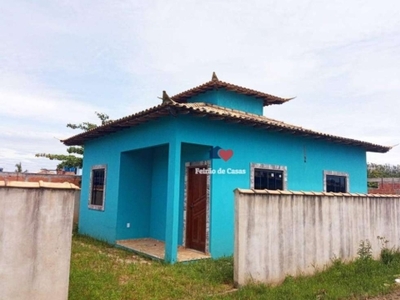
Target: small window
336	182
97	187
268	179
271	177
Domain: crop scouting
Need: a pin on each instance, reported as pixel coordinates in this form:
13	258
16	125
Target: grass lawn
100	271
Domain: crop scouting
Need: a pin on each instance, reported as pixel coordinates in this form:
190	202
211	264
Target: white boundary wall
280	233
35	239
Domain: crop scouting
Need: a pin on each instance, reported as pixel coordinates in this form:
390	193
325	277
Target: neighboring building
388	186
168	172
43	175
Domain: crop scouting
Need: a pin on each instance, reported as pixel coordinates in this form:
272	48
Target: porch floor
156	249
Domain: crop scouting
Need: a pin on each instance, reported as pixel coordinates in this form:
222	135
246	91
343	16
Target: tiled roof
215	83
216	113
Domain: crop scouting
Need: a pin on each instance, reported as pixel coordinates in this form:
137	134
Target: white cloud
61	61
51	108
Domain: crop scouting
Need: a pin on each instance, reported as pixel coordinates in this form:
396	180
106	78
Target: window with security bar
97	187
336	183
268	179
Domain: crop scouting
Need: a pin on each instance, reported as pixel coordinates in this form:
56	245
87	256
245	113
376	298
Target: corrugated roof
216	113
215	83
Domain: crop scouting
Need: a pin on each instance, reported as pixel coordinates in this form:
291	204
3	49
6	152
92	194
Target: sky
61	61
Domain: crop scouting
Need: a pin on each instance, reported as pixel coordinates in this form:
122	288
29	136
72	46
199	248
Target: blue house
167	174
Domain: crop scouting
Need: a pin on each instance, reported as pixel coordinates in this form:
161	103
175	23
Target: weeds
365	250
388	255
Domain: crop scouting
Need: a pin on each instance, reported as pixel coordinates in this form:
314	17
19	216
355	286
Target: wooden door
196	208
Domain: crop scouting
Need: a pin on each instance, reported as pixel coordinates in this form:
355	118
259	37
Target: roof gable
228	99
215	84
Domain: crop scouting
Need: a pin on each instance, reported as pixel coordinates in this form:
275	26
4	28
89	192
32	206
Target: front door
196	209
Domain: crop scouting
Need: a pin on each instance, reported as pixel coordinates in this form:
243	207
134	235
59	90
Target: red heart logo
225	154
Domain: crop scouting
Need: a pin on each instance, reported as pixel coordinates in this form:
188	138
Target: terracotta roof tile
216	113
215	83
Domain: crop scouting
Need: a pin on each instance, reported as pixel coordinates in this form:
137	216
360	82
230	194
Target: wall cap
39	184
311	193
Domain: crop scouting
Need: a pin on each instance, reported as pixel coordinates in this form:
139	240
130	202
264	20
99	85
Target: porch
152	203
156	249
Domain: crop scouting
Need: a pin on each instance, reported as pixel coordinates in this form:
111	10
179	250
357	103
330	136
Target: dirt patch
394	295
115	254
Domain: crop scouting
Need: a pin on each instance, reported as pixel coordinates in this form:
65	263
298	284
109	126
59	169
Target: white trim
188	165
254	166
91	206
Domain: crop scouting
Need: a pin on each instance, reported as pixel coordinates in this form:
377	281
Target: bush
388	255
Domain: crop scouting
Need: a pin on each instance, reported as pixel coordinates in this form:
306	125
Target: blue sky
60	61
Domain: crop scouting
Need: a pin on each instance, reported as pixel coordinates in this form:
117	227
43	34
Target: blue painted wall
100	224
159	192
134	199
110	151
137	161
260	146
231	100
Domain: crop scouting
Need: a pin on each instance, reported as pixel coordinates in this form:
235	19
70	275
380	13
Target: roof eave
165	109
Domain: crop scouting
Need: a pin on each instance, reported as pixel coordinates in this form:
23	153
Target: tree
74	158
383	171
19	168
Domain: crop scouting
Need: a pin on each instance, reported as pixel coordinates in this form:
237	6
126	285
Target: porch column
172	219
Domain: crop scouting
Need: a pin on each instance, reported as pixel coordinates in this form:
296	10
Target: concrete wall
35	239
291	233
54	178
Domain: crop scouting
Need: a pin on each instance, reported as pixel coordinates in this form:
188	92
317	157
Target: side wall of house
136	183
305	160
100	224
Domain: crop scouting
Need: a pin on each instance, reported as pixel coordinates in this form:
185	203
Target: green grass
100	271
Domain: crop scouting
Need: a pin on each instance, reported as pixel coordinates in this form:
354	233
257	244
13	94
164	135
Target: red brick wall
35	177
389	186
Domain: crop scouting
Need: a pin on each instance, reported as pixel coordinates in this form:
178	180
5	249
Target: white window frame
254	166
90	205
336	173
